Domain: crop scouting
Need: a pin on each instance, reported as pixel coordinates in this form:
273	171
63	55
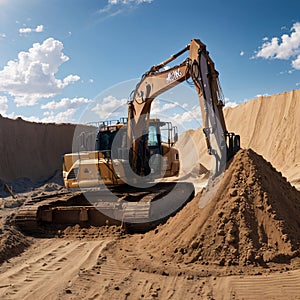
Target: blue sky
60	59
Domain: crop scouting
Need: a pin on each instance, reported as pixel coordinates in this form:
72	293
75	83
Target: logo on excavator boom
173	75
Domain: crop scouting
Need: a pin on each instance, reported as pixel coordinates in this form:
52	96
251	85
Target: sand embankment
270	125
32	150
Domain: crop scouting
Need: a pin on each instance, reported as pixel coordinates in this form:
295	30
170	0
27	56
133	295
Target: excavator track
136	209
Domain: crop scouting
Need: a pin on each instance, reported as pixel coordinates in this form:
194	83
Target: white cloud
61	117
110	106
24	30
2	35
262	95
194	115
286	48
3	104
231	104
66	103
242	53
169	106
296	63
157	107
115	7
70	79
51	117
32	76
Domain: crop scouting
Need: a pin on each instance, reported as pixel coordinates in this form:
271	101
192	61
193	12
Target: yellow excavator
117	182
109	163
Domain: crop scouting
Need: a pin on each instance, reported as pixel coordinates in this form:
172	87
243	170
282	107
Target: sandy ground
47	270
78	269
243	244
188	257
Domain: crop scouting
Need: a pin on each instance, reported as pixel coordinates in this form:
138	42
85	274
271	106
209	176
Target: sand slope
269	125
33	150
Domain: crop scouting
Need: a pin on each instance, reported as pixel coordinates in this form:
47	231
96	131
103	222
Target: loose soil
250	225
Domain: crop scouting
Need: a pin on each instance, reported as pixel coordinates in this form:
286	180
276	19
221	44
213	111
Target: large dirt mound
253	218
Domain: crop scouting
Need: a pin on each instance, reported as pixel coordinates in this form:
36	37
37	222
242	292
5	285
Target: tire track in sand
48	270
285	285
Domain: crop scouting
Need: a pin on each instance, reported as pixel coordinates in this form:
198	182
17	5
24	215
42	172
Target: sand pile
253	219
12	242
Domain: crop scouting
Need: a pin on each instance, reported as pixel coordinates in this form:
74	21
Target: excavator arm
200	68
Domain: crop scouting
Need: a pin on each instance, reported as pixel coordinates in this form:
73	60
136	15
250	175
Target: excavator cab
157	153
111	132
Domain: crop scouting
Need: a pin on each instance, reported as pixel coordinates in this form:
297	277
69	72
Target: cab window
152	136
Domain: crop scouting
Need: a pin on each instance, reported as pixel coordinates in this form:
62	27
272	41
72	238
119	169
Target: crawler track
137	209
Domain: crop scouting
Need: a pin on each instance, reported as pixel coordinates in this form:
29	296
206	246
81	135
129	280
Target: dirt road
47	269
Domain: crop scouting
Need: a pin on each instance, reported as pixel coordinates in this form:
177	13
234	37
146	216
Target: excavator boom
201	69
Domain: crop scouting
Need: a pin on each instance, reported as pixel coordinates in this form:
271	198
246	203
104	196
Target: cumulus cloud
66	103
61	117
70	79
32	75
3	104
52	117
188	116
115	7
157	107
110	106
296	63
287	47
231	104
24	30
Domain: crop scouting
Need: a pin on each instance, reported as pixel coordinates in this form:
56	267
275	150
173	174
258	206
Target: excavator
119	182
108	164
